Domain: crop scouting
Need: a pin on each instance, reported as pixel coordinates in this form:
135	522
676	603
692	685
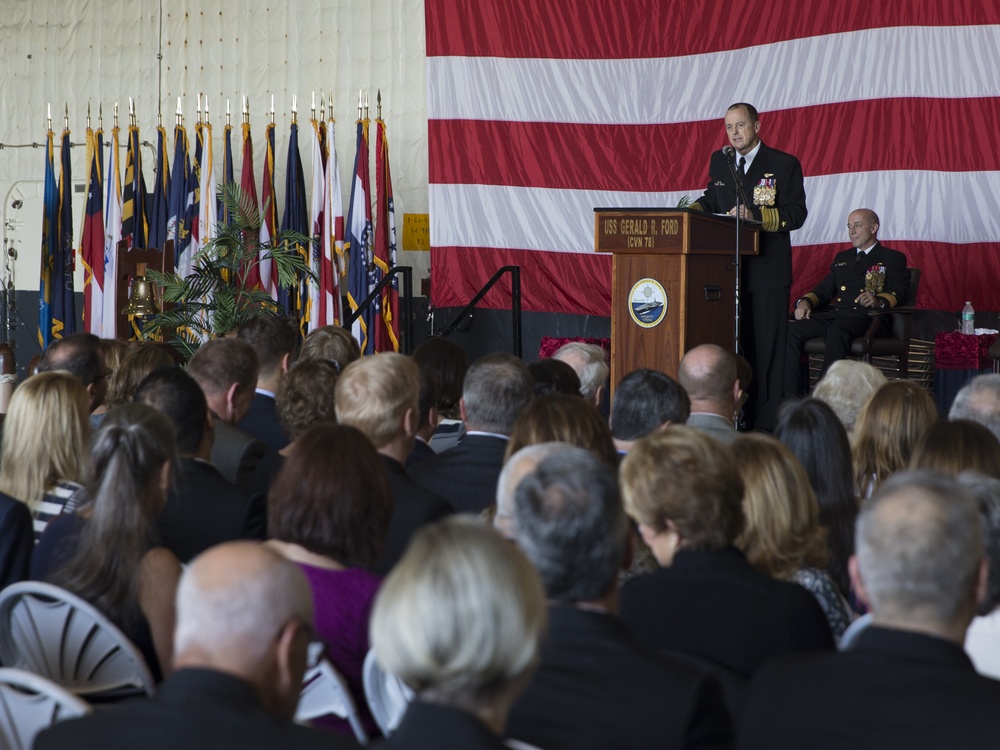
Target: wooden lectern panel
691	256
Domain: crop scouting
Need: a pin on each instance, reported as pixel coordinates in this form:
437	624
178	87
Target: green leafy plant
684	202
217	297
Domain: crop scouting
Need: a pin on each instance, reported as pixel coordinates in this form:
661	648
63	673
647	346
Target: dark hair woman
328	510
105	553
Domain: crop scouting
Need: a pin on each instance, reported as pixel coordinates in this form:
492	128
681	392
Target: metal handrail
407	303
515	305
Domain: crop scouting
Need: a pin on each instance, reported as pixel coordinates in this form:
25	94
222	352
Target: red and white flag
541	112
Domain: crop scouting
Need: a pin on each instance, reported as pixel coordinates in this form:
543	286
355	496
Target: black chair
896	344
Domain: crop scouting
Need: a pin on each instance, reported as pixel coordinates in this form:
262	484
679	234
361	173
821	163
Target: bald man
708	373
244	624
868	276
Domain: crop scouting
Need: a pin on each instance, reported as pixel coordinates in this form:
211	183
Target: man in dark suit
905	681
646	401
594	686
244	624
773	184
497	387
203	509
379	395
274	340
226	370
868	276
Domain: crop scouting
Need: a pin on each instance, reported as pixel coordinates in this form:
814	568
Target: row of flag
181	208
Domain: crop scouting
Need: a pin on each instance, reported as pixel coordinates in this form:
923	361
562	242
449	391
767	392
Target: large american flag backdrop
538	111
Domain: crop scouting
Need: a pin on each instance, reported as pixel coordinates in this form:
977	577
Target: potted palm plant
219	295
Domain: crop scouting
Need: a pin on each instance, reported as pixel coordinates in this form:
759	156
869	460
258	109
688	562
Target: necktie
860	259
743	166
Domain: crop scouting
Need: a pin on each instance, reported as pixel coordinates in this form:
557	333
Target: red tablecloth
962	351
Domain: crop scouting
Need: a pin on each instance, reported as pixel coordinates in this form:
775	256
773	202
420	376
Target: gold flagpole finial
378	99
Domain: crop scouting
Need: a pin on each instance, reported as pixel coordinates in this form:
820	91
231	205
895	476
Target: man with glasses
242	643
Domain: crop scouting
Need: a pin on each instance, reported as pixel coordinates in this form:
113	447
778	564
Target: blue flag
296	216
63	263
360	280
158	212
50	243
178	228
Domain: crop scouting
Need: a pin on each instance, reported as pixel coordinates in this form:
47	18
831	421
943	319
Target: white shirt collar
750	156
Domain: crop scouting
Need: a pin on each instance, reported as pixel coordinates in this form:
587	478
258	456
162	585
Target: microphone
730	154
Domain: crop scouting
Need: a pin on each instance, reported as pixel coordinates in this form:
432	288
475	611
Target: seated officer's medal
875	279
766	191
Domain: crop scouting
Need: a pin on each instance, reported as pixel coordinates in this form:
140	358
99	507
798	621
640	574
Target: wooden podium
673	282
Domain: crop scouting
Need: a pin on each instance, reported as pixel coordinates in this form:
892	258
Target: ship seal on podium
647	303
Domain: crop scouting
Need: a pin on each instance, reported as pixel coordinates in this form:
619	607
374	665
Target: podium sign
673	280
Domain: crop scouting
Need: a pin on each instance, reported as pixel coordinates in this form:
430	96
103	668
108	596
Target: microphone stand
741	199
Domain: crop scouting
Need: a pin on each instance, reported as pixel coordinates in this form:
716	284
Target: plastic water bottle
968	319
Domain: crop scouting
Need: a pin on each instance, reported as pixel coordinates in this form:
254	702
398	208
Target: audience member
427	419
905	682
979	400
329	511
982	639
459	620
591	364
332	343
811	431
81	355
783	537
274	340
379	395
646	401
708	374
706	601
446	364
887	431
957	446
595	687
43	456
244	620
305	397
846	387
551	375
114	352
515	468
497	389
564	419
16	540
226	370
203	508
138	362
104	553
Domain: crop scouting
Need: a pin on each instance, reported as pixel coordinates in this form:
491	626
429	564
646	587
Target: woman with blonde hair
46	437
783	537
889	426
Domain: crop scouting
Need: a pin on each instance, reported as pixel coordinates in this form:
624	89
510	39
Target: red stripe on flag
865	136
612	29
580	283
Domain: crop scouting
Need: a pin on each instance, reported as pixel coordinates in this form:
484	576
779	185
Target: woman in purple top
328	510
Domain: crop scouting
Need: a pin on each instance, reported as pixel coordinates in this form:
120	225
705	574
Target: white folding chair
324	692
49	631
29	704
387	695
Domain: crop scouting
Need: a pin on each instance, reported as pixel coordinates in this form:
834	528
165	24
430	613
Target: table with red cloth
959	357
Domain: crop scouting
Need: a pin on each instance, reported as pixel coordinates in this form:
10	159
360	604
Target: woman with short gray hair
459	620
